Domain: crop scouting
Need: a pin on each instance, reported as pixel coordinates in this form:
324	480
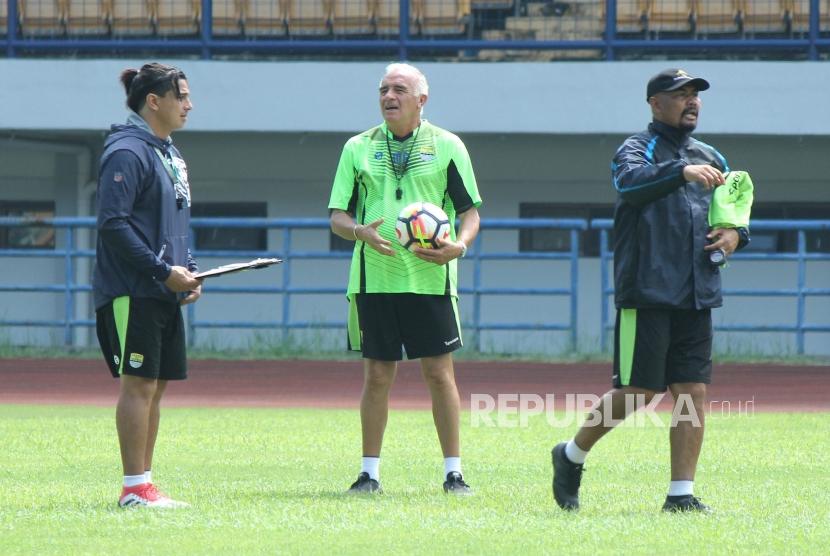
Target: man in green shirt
399	298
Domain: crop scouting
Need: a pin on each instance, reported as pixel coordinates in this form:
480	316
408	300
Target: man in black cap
665	286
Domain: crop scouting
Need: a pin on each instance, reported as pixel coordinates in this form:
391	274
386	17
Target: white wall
575	97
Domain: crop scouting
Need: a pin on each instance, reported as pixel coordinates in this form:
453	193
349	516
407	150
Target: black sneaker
685	503
566	478
455	484
365	484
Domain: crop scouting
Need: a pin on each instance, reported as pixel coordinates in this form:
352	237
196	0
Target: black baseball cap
671	80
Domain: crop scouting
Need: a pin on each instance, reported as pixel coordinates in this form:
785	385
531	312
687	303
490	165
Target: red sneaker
146	494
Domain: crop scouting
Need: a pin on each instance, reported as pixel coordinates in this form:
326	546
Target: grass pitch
272	481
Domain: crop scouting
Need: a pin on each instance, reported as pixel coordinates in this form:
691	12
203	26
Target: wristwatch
743	237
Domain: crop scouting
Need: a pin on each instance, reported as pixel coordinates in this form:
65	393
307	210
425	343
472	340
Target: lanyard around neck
404	165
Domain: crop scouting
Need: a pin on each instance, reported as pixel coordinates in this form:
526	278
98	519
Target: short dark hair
155	78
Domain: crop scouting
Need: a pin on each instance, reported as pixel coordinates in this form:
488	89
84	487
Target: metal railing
800	292
287	289
207	45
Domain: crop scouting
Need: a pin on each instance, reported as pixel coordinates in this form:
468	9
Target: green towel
732	202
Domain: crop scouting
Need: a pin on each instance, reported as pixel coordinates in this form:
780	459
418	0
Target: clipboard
236	267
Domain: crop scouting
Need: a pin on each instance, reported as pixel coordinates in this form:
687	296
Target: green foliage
265	481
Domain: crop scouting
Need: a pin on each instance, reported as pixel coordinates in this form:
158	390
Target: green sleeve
344	180
465	169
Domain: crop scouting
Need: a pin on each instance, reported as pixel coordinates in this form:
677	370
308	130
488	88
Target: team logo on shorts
136	360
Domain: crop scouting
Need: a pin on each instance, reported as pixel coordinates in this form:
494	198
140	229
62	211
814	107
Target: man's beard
686	128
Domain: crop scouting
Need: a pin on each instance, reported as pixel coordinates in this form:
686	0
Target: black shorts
657	347
425	325
144	337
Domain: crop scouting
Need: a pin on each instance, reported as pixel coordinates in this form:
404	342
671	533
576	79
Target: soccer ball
421	224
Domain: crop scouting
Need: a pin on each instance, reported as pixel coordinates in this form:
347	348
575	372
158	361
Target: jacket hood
121	131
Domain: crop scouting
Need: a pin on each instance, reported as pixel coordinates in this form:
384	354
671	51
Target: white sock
681	488
371	466
148	476
574	453
452	464
134	480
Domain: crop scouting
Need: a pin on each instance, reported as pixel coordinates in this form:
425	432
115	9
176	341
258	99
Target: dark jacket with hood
143	207
660	222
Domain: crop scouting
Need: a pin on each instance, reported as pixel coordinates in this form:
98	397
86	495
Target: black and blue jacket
143	207
660	222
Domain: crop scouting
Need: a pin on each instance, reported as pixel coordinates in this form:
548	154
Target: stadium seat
443	17
264	17
491	4
719	16
800	10
176	17
89	17
764	16
351	17
4	18
131	17
632	15
227	17
386	17
672	16
42	17
309	17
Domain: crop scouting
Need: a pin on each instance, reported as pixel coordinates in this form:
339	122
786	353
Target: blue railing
801	256
207	45
286	289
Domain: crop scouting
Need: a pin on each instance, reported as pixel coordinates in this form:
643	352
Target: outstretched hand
369	235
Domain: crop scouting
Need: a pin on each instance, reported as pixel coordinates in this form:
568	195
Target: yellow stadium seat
671	15
176	17
264	17
226	18
632	15
309	17
443	17
42	17
718	16
800	10
764	16
4	18
89	17
351	17
131	17
386	17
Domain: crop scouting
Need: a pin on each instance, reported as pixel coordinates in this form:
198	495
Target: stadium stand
308	17
4	19
227	17
386	17
718	16
131	18
770	16
175	17
39	18
264	18
800	10
89	17
632	16
672	16
442	17
351	17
